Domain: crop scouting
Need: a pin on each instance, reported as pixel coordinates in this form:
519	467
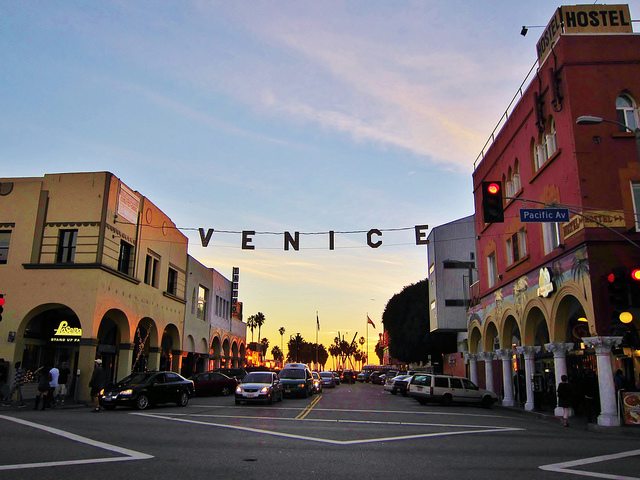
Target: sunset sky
270	116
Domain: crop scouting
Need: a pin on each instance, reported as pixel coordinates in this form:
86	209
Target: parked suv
296	379
447	389
349	376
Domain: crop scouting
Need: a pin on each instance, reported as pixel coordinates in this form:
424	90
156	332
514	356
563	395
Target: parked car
140	390
328	379
364	376
447	389
349	376
213	383
237	373
296	379
377	378
336	376
259	387
317	382
398	384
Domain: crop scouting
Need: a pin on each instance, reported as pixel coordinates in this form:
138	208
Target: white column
529	353
506	355
472	360
559	351
608	403
488	369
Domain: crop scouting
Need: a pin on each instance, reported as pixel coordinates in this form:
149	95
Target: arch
145	338
226	346
216	348
510	335
190	344
536	328
490	337
112	330
203	348
566	326
627	111
169	344
243	355
475	338
234	353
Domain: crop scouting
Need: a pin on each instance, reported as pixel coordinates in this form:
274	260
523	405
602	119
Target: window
627	112
5	238
635	193
550	140
455	383
172	281
193	302
201	312
515	180
546	146
433	305
125	257
151	270
67	246
508	189
492	269
516	246
550	236
538	155
441	382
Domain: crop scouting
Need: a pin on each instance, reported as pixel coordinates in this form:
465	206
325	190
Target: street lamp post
595	120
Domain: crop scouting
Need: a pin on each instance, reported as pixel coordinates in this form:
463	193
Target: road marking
477	429
128	454
565	467
448	414
308	408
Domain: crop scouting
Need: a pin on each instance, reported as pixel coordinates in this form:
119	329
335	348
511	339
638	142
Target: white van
446	389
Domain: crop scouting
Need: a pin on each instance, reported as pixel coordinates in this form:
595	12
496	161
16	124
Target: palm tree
281	330
259	321
251	323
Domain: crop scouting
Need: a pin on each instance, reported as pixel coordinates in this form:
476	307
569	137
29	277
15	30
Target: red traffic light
1	300
611	277
493	188
635	274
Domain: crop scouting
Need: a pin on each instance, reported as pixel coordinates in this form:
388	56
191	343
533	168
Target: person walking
61	391
54	374
43	388
18	381
97	383
565	397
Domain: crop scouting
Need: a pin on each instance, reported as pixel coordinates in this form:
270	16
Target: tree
281	330
277	354
265	344
406	319
251	323
260	319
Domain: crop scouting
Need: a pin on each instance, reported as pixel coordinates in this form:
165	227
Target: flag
370	322
317	321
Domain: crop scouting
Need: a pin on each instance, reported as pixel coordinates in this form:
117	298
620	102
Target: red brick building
543	305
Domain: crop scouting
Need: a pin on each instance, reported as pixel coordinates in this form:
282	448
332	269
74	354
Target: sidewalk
28	405
576	422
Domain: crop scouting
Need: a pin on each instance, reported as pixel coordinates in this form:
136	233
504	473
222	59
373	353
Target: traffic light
618	288
1	305
492	207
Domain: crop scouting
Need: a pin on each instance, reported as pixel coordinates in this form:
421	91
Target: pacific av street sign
551	215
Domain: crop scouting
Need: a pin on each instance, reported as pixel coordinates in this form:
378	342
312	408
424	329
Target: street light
595	120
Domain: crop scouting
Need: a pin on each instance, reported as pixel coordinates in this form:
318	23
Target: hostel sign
577	19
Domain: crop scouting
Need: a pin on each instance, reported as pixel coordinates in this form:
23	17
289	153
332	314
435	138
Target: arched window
508	188
627	112
551	145
516	177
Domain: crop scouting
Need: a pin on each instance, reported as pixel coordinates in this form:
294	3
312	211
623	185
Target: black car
142	389
213	383
349	376
237	373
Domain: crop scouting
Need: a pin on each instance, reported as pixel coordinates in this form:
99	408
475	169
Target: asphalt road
352	431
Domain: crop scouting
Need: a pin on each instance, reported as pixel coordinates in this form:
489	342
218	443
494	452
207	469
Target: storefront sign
576	19
545	285
631	408
593	219
66	333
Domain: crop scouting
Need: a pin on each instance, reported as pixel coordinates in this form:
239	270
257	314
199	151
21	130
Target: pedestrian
18	381
619	381
43	387
61	391
97	383
54	374
565	397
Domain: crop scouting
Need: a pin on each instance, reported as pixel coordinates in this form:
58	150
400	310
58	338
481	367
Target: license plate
251	395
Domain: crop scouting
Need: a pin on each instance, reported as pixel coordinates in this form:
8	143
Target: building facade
90	269
542	306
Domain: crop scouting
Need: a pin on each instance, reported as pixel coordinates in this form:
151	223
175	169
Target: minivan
446	389
296	379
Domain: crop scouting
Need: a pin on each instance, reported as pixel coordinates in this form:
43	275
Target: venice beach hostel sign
576	19
66	333
291	240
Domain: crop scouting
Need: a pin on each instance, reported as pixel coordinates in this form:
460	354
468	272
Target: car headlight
264	389
238	389
126	393
101	393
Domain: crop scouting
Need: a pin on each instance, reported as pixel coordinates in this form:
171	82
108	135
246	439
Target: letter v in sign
205	239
